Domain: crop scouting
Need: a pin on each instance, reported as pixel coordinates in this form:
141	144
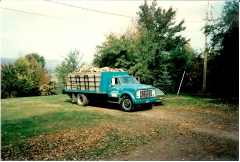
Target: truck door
113	88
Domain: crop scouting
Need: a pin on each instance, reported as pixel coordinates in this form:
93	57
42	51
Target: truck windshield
128	80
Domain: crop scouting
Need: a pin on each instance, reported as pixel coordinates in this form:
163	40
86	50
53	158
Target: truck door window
114	81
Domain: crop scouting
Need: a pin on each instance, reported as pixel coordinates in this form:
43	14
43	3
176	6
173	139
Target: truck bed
89	82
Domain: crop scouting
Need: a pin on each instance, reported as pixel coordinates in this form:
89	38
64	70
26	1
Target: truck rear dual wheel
82	100
127	104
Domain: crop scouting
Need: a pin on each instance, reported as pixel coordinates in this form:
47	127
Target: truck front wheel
127	104
82	100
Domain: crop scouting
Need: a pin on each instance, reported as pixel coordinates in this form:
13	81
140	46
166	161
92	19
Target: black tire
127	104
82	100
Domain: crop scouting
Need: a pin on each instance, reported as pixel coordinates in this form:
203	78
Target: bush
46	90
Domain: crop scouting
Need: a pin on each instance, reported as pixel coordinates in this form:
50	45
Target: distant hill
50	64
6	60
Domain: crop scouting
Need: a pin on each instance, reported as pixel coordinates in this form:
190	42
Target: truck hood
137	86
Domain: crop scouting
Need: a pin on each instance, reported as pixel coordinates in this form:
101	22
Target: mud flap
74	98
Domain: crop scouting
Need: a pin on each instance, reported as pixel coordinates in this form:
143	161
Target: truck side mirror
138	78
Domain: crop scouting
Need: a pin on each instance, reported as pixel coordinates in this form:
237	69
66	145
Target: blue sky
64	28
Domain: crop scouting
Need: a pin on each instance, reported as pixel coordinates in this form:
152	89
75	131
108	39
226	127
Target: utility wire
221	6
42	15
90	9
102	11
215	10
36	14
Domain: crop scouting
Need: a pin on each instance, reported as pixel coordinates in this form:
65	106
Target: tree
71	62
143	47
179	60
40	59
43	76
27	85
161	27
61	71
8	86
112	53
224	65
127	51
160	22
23	78
144	54
165	82
193	79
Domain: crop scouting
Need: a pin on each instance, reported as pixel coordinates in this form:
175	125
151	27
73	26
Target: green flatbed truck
113	87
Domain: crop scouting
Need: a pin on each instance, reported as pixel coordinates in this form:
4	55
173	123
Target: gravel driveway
201	135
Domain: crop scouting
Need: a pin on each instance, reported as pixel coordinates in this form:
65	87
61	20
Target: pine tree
165	82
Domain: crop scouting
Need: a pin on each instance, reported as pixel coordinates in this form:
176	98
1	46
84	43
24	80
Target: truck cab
128	92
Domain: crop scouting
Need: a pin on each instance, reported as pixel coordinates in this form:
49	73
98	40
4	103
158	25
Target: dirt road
201	135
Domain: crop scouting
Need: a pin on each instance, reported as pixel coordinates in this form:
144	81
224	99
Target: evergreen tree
165	83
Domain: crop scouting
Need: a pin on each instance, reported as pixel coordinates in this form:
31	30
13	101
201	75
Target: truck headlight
153	92
138	94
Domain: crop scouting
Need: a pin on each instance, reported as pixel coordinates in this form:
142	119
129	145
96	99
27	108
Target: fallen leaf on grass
55	145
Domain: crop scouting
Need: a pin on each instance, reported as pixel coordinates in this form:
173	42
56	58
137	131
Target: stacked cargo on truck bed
88	78
83	81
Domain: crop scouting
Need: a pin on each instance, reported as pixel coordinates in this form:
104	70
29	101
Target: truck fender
126	93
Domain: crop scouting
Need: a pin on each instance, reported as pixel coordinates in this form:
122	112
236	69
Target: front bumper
144	100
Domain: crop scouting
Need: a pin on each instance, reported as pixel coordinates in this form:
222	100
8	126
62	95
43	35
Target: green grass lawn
52	128
27	117
196	102
50	118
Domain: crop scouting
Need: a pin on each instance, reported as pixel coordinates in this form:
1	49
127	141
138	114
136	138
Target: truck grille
145	93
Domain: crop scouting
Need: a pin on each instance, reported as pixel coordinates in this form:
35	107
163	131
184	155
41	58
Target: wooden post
204	87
